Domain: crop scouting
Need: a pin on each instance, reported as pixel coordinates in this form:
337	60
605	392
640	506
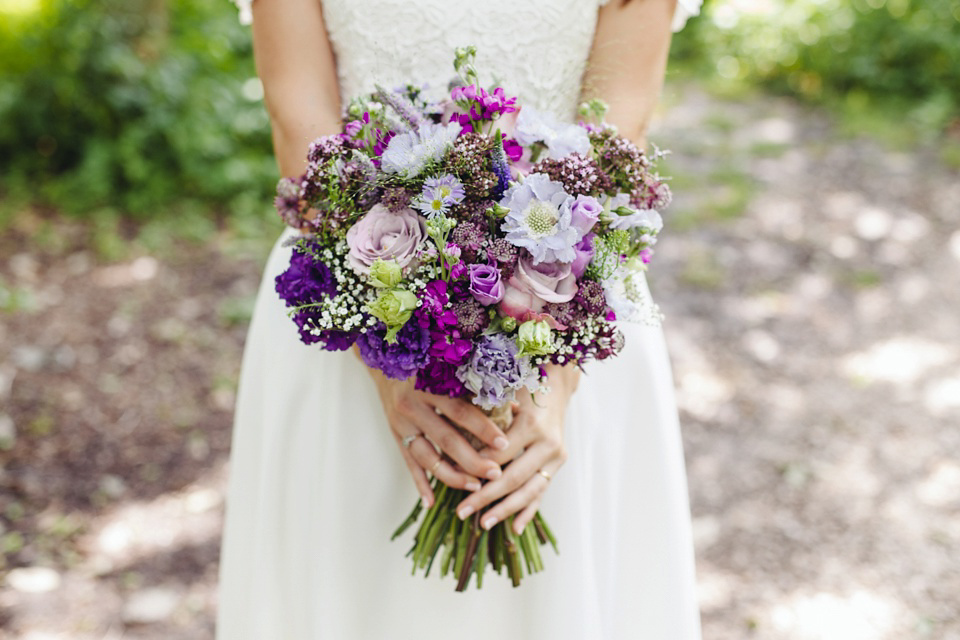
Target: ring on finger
545	474
436	465
408	440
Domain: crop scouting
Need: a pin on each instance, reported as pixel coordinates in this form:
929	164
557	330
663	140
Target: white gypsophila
627	294
408	153
560	138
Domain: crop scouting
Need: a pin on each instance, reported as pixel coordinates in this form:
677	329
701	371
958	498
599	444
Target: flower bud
535	338
385	273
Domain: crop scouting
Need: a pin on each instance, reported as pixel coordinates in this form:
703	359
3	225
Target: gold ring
436	465
544	474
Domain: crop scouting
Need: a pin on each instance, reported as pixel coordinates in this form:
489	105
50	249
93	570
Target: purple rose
585	212
383	235
485	283
585	251
532	286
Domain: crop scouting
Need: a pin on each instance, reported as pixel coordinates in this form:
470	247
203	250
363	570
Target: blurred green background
137	108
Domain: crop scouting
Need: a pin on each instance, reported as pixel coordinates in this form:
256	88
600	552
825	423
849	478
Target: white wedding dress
317	484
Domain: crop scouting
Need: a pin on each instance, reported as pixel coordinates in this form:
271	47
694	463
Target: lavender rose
485	284
383	235
585	212
585	252
532	286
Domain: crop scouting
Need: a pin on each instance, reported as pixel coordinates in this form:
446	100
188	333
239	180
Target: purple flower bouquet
468	242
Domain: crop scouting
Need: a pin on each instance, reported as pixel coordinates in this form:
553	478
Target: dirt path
811	291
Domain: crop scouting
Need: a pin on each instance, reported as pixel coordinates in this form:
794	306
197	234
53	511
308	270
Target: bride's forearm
628	60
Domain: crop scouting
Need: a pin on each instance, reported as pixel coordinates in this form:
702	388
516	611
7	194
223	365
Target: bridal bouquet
468	243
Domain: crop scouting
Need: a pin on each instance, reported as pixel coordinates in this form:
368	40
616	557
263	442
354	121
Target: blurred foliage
139	105
901	55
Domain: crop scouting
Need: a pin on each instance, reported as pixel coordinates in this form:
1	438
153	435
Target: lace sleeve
246	12
685	9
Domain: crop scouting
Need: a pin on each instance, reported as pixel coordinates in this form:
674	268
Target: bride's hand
418	416
535	454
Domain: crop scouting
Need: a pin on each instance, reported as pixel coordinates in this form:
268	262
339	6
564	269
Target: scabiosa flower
540	219
408	153
578	174
495	372
561	139
398	360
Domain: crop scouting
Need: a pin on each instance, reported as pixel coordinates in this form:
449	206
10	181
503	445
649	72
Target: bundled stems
466	547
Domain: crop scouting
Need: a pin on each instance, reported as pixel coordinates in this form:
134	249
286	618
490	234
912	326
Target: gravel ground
810	286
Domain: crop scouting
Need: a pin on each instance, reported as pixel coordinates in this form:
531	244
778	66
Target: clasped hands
422	423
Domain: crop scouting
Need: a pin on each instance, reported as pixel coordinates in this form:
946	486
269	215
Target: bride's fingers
517	501
514	476
420	479
453	444
523	519
468	416
521	437
432	462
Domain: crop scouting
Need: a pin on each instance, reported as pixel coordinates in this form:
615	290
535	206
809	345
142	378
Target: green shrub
134	104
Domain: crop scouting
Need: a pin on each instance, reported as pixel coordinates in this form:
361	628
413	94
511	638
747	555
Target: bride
324	449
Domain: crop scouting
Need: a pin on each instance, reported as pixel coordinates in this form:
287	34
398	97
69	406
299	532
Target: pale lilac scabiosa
495	372
561	139
540	219
408	153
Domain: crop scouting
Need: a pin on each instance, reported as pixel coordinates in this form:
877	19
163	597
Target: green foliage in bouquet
132	104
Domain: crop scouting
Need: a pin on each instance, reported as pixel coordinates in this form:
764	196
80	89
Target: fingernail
464	513
426	500
494	473
489	522
472	486
501	443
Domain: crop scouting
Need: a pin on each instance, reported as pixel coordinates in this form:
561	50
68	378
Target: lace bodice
536	49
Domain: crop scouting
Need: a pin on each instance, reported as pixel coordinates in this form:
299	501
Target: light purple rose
485	283
532	286
585	252
585	212
383	235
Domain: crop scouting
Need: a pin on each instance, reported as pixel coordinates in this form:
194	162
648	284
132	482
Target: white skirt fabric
317	486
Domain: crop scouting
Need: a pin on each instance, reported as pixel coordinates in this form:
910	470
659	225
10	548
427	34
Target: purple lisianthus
485	283
398	360
495	371
540	219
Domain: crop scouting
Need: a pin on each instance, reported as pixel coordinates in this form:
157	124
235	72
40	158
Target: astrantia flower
408	153
540	219
472	317
495	372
